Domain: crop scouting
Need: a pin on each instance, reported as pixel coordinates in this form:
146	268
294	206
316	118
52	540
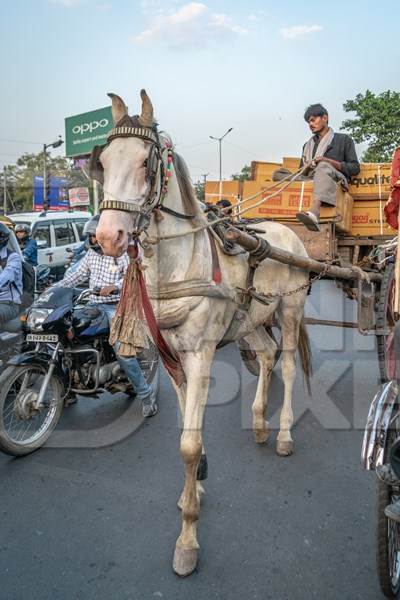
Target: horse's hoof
185	561
284	448
261	436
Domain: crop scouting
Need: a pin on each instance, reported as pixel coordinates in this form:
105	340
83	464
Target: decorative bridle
157	175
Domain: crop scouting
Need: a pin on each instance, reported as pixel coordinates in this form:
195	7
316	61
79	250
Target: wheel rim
21	422
394	548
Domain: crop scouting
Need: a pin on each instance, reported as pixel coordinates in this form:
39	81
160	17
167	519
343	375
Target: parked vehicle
71	355
54	232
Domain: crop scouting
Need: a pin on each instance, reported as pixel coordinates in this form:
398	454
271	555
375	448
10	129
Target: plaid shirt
101	271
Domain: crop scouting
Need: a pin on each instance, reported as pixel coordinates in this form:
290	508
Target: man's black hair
224	203
315	110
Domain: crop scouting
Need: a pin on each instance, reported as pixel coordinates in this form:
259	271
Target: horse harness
156	176
157	180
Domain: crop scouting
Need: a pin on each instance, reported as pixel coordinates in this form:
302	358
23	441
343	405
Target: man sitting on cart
333	160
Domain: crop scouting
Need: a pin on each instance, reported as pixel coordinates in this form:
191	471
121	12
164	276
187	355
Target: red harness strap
169	357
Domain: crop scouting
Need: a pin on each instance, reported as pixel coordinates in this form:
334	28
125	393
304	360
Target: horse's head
131	169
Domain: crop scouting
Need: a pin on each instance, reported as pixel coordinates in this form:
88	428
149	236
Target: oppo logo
85	127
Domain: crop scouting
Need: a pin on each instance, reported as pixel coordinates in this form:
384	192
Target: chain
265	298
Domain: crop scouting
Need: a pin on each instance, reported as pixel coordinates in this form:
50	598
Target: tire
249	356
387	532
12	412
385	320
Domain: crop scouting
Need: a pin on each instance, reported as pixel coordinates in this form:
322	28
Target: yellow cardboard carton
369	219
262	171
230	191
373	182
290	163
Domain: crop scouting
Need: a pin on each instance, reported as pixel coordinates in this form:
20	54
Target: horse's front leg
202	469
197	368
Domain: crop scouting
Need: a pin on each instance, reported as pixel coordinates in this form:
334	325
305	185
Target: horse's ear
118	107
146	119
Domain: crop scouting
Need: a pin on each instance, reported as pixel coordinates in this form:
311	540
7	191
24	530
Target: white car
54	232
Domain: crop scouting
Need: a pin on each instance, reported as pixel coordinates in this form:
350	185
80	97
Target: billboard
86	130
58	197
79	196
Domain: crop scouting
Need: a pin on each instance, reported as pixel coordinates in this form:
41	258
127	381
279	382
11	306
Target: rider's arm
30	252
80	275
12	272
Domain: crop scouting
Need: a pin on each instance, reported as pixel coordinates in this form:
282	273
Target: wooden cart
355	241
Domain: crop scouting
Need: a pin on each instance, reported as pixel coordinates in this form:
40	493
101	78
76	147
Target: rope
289	178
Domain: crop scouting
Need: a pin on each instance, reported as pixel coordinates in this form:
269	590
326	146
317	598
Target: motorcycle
11	336
380	453
69	355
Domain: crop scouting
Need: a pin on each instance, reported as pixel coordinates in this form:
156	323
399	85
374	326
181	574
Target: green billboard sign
84	131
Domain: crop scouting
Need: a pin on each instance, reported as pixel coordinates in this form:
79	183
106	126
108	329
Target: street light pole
44	176
55	144
5	191
219	140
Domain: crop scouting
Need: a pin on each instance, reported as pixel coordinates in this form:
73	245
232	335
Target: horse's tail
304	348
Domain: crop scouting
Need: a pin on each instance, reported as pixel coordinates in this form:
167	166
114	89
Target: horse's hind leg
265	348
290	322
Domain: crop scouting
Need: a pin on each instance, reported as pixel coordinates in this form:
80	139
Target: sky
207	66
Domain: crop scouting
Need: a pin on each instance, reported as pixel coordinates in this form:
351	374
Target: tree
20	176
377	122
244	175
200	190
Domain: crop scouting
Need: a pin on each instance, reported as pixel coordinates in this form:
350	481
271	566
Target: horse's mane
190	203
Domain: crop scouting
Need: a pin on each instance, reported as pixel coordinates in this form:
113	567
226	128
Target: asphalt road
101	523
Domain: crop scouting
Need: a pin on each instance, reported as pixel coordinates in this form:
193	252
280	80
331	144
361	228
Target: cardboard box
262	171
290	163
372	183
369	219
230	191
296	197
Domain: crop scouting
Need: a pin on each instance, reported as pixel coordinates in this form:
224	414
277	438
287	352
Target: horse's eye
145	164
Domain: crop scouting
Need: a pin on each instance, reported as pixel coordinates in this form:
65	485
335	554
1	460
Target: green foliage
199	188
244	175
20	176
377	122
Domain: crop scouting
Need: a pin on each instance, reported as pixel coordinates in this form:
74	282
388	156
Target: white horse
193	325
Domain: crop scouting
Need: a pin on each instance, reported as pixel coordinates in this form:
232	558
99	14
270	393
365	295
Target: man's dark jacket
343	150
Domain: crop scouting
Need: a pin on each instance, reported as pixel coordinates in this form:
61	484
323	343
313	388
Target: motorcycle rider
107	273
26	243
10	278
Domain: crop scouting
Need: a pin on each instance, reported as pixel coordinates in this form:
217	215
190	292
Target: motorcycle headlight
36	317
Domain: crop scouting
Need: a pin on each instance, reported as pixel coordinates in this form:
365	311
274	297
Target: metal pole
44	176
220	169
5	191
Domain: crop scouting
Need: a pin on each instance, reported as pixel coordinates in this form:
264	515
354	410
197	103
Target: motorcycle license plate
37	337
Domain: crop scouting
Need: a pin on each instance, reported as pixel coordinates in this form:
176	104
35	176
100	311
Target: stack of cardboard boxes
358	213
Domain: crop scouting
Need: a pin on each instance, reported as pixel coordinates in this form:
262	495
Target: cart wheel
249	357
385	320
